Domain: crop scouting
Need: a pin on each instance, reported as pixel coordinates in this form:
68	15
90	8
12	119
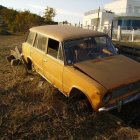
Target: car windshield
88	48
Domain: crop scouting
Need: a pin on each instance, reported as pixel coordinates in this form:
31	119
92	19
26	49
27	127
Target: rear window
30	38
40	42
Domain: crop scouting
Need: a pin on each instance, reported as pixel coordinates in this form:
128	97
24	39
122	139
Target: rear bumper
125	101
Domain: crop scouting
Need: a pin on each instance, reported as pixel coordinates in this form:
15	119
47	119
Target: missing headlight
106	97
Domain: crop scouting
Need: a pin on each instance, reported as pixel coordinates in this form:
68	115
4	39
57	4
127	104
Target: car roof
65	32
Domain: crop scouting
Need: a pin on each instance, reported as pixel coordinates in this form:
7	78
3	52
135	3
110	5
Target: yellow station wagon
82	62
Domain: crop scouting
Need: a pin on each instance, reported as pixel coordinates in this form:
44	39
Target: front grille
125	89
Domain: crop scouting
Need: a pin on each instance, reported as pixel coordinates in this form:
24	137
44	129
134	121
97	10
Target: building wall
105	19
117	6
133	8
124	7
88	19
126	14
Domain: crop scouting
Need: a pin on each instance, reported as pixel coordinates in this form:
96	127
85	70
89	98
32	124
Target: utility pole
98	19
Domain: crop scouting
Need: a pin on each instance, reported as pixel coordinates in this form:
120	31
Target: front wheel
80	105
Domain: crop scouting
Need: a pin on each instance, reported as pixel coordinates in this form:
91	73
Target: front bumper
125	101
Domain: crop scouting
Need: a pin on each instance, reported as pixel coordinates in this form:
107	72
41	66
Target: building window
129	24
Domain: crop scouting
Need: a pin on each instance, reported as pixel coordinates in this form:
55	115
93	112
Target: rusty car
82	62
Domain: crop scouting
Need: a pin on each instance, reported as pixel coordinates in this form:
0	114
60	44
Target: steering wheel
91	53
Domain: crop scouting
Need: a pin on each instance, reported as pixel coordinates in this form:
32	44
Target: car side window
40	42
55	49
30	37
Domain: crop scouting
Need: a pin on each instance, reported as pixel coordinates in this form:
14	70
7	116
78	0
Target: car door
53	63
38	51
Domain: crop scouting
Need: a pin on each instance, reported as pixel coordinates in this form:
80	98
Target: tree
18	21
25	20
8	15
50	13
65	22
2	25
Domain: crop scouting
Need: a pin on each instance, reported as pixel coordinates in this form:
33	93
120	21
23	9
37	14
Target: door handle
44	60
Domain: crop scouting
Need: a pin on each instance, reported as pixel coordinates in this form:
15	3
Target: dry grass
30	108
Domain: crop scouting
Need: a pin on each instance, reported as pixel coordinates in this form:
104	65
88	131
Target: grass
30	108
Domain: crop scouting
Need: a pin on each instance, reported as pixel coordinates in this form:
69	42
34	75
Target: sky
70	10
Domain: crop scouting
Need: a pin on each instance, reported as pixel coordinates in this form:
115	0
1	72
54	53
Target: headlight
106	97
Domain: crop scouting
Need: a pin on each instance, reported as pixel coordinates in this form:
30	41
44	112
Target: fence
126	35
119	34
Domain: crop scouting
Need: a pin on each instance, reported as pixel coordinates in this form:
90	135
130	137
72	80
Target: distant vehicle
81	62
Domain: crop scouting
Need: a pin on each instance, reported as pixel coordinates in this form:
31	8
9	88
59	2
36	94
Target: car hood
111	72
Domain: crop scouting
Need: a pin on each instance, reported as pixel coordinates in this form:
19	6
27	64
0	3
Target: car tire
30	66
80	105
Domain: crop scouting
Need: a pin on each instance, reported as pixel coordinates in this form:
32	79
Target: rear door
53	63
38	51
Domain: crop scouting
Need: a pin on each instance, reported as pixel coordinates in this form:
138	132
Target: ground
30	108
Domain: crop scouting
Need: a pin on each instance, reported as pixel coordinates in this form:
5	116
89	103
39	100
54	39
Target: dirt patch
30	108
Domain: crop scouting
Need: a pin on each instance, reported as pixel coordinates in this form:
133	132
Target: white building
124	13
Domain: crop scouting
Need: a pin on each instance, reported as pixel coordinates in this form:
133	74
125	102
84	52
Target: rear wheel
30	66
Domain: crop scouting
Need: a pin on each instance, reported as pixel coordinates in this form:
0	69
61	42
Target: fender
93	98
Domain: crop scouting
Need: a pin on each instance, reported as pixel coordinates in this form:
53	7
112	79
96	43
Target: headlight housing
107	97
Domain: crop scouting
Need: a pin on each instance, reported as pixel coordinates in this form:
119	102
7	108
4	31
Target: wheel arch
76	90
29	63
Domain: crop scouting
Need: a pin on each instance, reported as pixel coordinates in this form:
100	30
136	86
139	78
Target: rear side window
30	38
53	47
40	42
